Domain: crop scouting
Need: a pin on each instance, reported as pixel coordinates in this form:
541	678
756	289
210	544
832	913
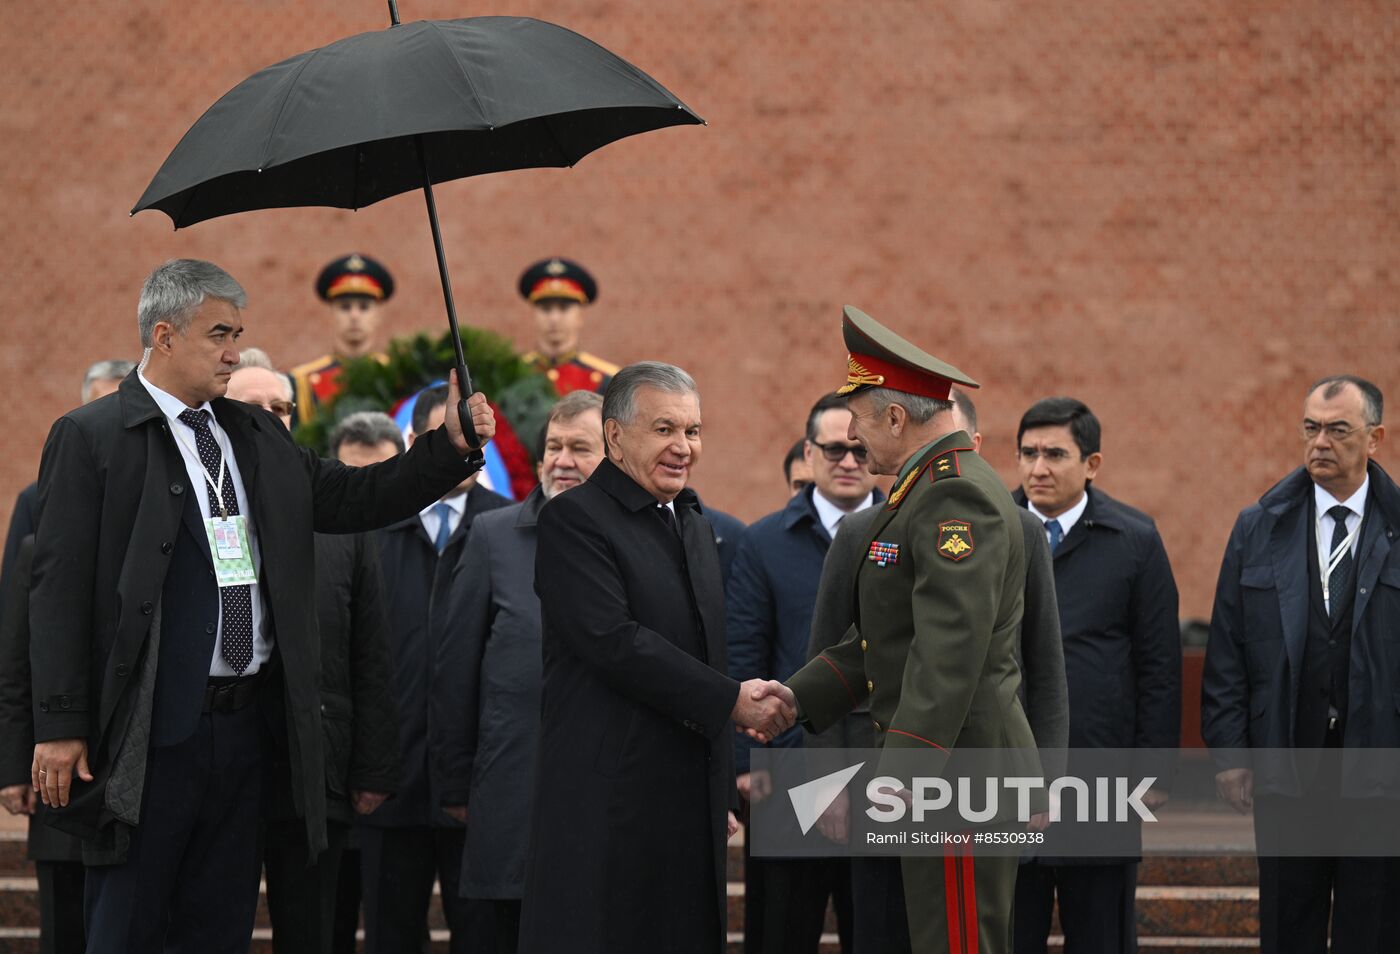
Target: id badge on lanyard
228	535
228	544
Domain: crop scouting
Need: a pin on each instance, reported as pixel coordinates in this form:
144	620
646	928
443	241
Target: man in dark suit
485	721
634	796
358	714
157	667
881	920
410	843
1122	646
770	597
57	856
1303	655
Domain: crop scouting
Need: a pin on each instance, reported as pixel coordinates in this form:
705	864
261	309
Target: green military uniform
939	598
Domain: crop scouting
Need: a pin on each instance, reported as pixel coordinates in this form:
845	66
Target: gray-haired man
178	526
636	762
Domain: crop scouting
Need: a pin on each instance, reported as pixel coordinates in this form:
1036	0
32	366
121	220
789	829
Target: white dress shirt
1356	503
1323	502
171	406
830	515
1067	519
458	505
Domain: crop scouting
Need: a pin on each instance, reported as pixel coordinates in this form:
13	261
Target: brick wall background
1179	212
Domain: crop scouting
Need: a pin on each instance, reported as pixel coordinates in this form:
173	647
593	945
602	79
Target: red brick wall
1179	212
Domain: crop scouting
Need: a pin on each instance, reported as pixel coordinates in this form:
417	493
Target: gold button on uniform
869	685
878	727
862	645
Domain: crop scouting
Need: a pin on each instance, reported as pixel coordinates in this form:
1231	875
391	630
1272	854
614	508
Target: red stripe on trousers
970	902
950	894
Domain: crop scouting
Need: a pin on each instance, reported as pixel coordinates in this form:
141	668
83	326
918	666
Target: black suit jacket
636	772
1249	689
112	489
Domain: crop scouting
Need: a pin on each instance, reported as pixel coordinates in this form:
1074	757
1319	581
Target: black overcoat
418	581
111	487
358	713
16	714
635	772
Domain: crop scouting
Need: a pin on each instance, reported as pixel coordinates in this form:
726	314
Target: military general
940	598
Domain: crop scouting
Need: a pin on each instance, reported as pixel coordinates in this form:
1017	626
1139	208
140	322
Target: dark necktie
1340	580
237	601
669	518
444	533
1056	532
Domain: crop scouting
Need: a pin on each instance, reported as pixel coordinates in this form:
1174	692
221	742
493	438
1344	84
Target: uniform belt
229	694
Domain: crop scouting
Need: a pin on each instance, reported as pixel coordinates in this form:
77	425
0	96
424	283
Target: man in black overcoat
636	781
154	686
57	856
411	843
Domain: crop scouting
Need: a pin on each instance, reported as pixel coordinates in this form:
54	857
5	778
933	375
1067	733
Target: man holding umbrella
173	625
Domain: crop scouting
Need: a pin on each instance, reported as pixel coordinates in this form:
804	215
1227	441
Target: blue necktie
443	511
1057	534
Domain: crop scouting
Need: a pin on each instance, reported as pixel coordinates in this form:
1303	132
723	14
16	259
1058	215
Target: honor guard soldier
559	290
940	599
355	287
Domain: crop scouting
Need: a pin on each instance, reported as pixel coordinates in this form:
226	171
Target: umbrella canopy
353	122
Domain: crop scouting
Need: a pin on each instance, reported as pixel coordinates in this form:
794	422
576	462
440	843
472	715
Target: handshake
765	709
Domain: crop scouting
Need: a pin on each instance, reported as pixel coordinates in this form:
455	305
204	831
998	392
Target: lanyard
223	463
1328	562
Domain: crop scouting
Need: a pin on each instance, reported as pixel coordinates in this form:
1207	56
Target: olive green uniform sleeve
831	684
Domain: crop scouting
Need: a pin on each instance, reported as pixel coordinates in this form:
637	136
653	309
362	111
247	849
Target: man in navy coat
1305	655
770	597
1122	646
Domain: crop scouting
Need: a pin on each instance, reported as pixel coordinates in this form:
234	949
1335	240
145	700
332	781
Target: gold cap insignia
857	376
555	268
355	264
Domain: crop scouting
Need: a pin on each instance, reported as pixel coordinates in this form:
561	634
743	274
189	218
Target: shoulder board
317	364
597	364
946	465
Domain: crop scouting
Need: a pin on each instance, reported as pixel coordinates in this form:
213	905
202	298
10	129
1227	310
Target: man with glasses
1122	646
769	599
1303	655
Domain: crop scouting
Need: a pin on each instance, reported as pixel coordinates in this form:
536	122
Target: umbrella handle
464	377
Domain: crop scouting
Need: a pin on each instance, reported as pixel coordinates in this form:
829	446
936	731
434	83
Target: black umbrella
381	113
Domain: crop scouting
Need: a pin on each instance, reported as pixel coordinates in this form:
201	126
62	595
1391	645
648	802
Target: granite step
26	941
